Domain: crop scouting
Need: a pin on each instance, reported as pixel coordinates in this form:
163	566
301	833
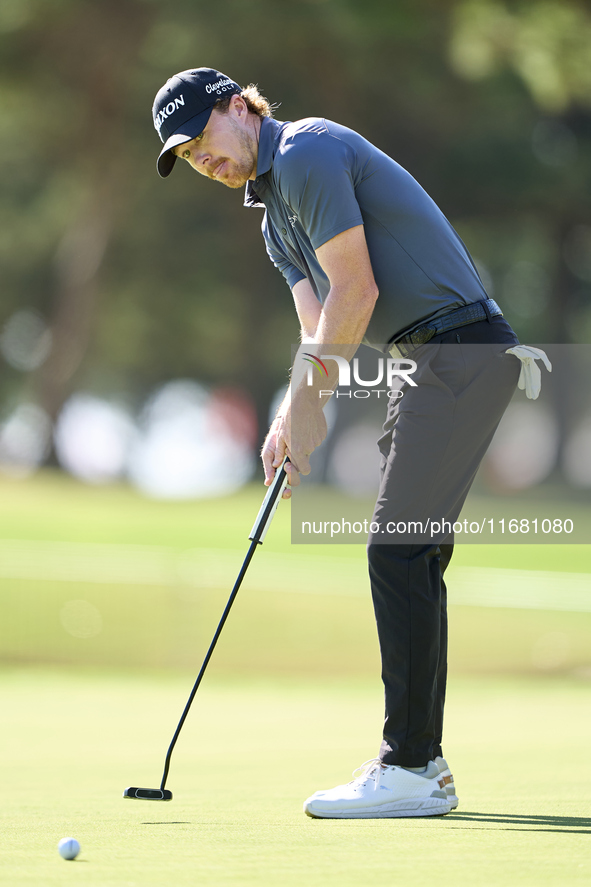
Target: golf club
257	535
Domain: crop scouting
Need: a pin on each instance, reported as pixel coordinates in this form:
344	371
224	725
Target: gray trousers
435	437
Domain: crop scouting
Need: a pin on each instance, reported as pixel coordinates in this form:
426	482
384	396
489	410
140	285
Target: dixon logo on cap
169	109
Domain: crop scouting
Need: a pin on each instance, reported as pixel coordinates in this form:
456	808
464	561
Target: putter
257	535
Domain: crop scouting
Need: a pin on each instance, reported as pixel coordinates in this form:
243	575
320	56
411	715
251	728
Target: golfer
369	258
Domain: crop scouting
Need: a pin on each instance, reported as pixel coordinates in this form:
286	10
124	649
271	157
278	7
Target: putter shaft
257	535
226	612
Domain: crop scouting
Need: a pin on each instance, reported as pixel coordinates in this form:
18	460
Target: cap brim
186	133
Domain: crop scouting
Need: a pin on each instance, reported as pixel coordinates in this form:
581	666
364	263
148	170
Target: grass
157	576
56	507
251	752
291	703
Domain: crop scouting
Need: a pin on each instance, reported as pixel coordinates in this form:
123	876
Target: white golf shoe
448	782
382	791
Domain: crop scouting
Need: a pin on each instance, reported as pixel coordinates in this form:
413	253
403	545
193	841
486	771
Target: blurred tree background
115	281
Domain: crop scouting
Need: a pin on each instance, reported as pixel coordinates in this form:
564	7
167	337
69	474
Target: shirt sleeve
277	254
315	175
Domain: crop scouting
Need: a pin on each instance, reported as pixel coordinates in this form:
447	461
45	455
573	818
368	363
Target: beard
239	171
236	174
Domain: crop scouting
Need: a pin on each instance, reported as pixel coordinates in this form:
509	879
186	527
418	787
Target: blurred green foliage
487	103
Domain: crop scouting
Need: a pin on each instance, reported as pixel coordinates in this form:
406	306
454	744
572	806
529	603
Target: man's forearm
346	314
341	326
338	327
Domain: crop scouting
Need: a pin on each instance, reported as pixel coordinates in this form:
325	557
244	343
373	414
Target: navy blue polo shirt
317	179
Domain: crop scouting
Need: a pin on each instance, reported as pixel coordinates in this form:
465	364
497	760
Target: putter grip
269	506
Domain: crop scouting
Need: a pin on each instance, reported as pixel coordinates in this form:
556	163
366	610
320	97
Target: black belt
460	317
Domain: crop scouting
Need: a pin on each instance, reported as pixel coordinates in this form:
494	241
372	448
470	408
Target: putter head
148	794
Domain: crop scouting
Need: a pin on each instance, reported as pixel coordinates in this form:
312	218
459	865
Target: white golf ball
69	848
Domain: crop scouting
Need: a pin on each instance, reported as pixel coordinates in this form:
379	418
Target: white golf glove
530	376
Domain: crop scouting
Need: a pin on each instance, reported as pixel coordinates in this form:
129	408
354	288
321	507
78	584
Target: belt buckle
397	351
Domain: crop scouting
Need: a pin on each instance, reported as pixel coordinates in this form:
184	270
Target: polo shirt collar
267	135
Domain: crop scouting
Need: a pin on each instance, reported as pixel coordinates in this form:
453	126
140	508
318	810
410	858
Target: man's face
226	150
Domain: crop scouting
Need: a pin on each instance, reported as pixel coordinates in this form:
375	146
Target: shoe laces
371	769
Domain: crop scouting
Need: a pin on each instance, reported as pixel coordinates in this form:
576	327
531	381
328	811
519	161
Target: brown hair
255	102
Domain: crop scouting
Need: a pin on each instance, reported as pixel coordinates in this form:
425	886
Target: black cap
183	106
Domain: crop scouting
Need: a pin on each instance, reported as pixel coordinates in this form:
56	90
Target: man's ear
238	105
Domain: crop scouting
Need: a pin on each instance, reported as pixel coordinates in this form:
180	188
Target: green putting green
248	756
109	602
